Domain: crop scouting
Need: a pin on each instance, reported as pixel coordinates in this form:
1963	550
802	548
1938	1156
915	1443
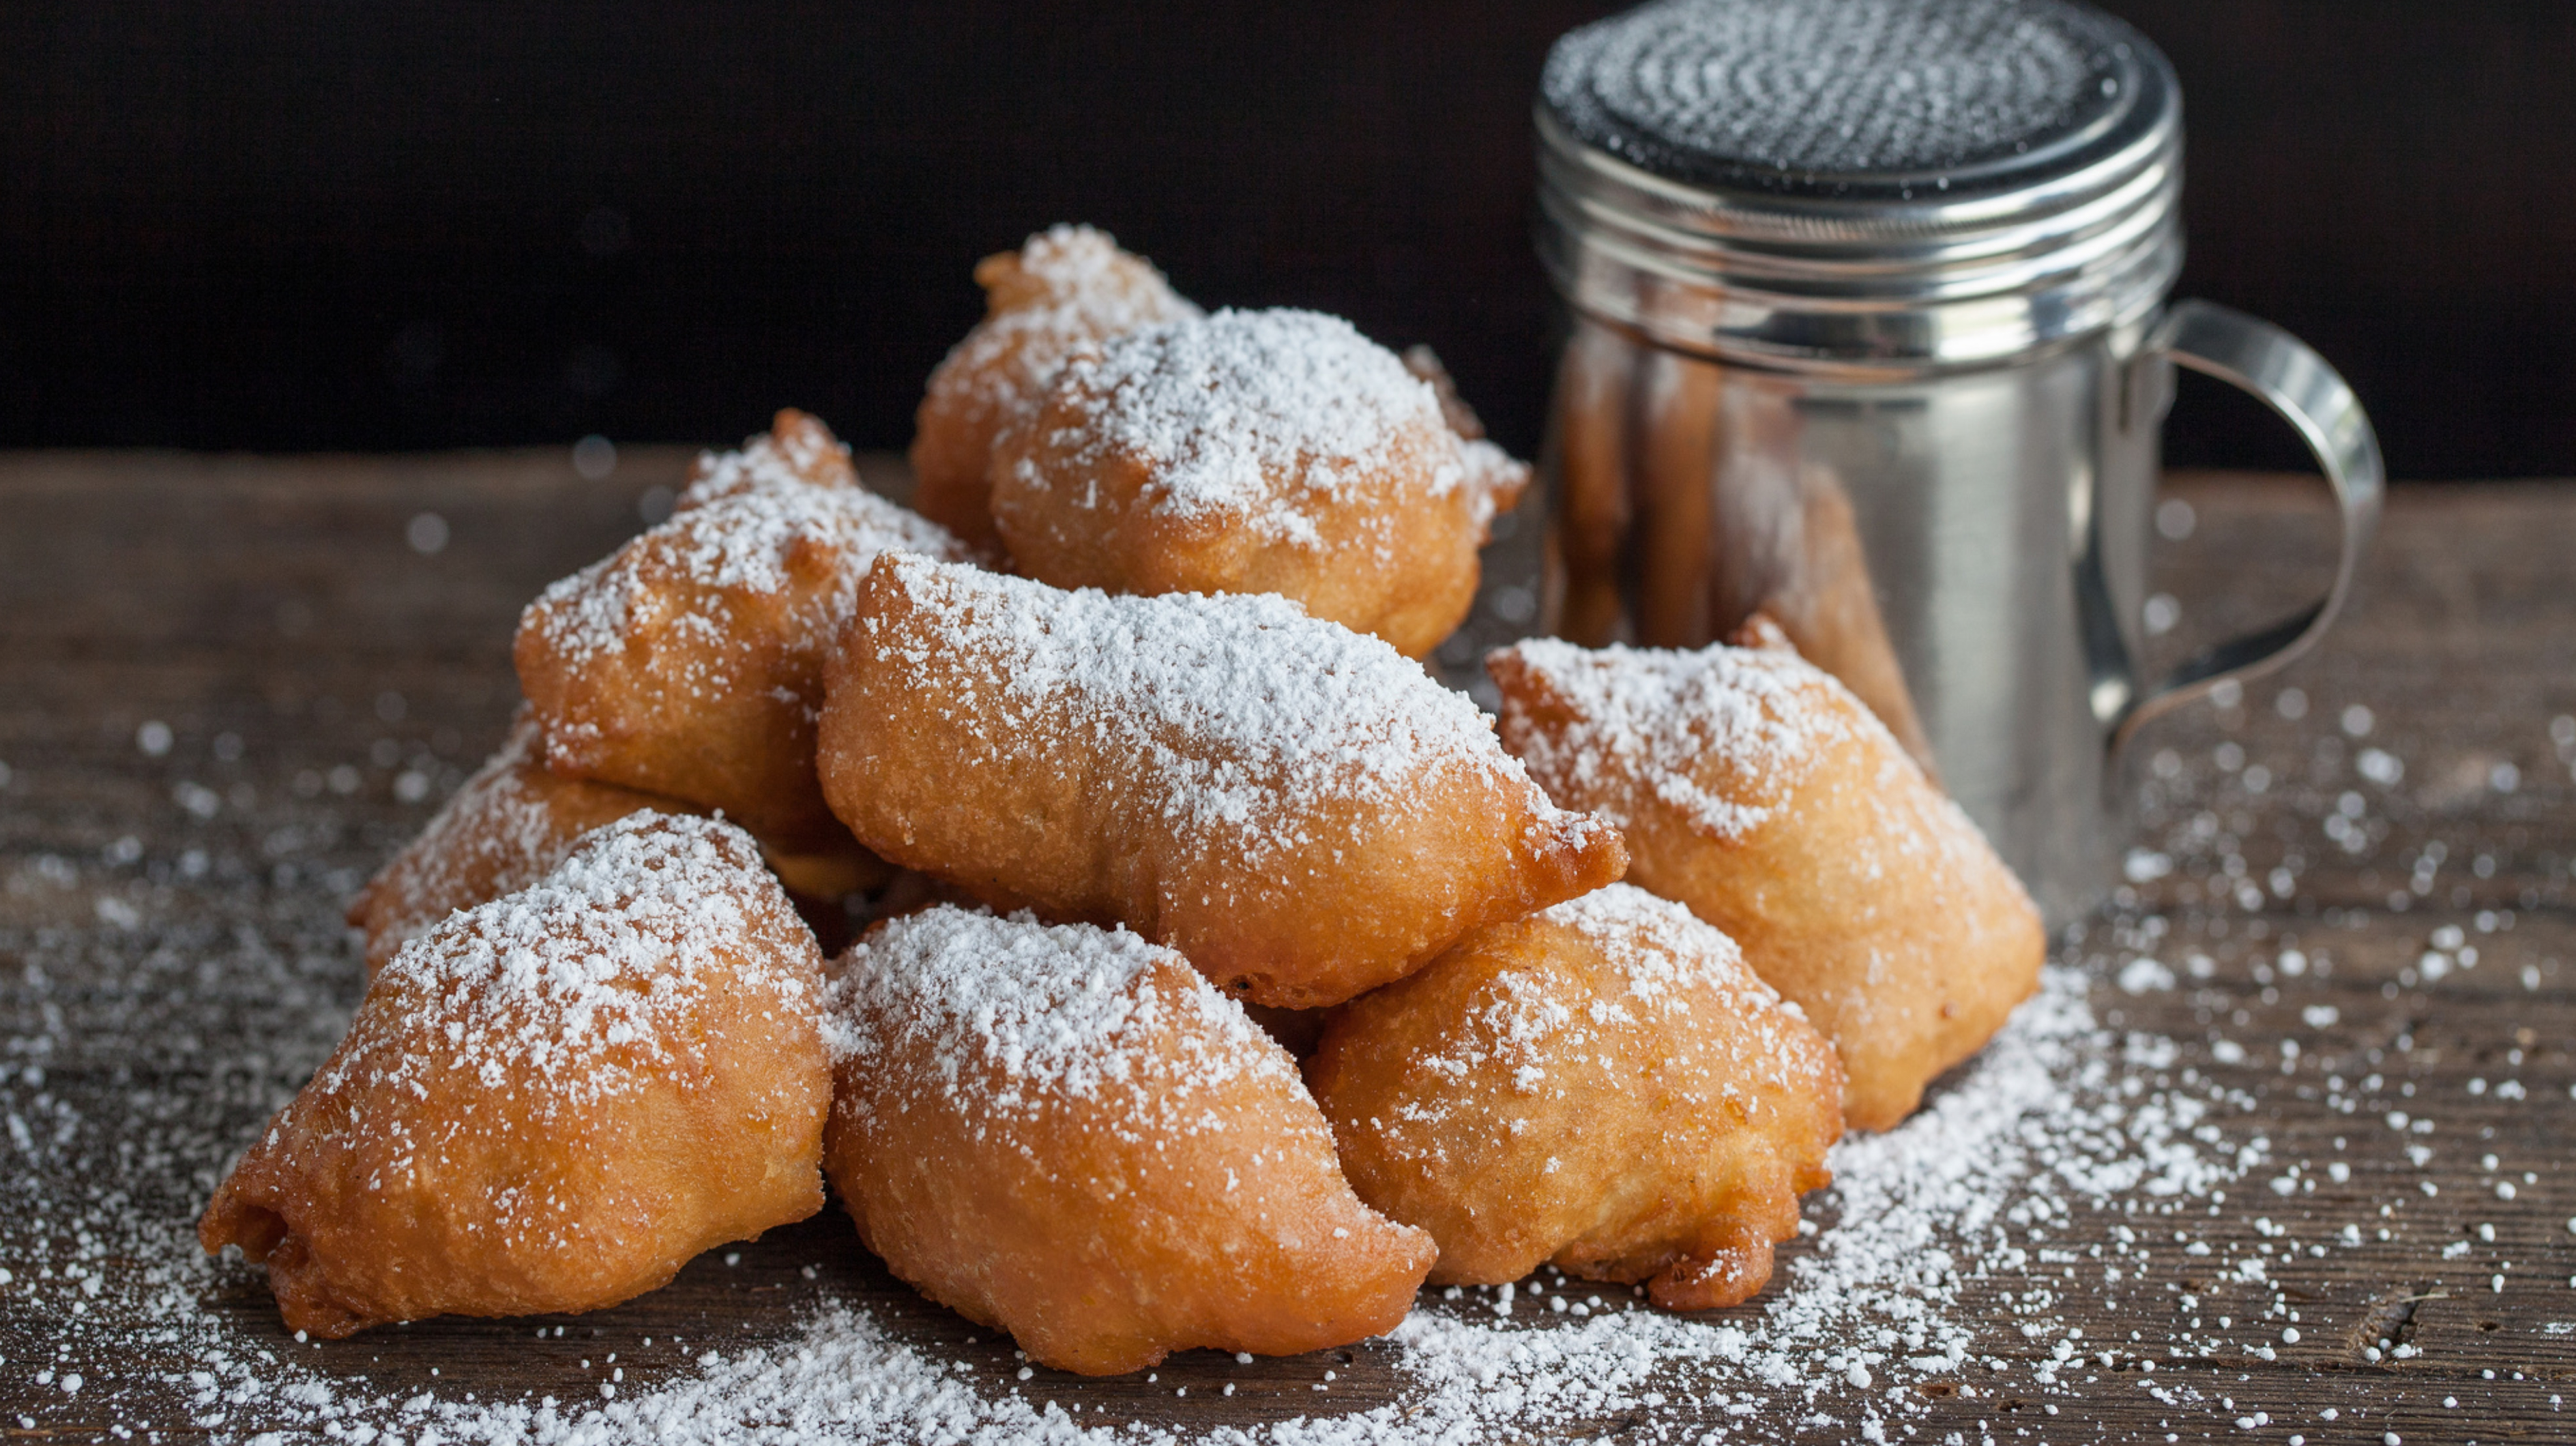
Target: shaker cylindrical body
1918	536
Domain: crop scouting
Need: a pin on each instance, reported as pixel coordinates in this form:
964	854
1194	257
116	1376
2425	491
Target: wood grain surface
231	686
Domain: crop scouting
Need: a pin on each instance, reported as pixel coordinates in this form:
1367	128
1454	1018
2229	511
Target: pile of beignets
1118	757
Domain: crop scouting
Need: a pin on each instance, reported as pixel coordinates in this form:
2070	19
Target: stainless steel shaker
1868	332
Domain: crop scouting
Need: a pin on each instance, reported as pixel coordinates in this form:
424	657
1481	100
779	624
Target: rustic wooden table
229	687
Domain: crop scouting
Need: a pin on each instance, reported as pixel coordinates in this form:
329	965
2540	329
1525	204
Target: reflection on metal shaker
1713	516
1867	332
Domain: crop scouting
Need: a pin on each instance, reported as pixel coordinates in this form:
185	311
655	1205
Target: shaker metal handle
2268	363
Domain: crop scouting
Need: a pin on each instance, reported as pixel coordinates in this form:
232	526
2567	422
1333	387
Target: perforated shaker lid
1853	97
1934	180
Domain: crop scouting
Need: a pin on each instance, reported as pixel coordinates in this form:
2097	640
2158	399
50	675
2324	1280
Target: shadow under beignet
1066	1133
1604	1085
1298	809
551	1102
1756	789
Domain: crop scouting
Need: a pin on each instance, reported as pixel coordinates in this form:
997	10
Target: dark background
404	225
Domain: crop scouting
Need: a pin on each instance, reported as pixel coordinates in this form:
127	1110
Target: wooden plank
171	964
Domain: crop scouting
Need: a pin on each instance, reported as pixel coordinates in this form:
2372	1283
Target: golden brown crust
1604	1085
1300	811
1066	288
1757	790
689	662
1068	1134
1276	452
551	1102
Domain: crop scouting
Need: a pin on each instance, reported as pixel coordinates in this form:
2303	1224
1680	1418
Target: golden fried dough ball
511	822
1251	451
552	1101
689	662
1754	788
1068	287
1604	1085
1295	807
1066	1133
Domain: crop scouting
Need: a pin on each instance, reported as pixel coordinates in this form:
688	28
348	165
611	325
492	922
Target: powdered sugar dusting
494	835
1069	285
1244	414
489	826
1549	1024
1016	1014
799	452
1662	947
1653	714
1249	716
744	547
1929	1241
1081	267
573	981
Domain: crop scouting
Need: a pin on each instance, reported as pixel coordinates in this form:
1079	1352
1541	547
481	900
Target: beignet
1296	808
1604	1085
1066	1133
1253	451
1757	790
689	662
1068	287
552	1101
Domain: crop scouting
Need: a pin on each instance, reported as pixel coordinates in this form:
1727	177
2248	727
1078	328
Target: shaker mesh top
1807	91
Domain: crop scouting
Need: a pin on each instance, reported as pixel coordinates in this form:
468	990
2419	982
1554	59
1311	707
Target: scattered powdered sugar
1244	415
1653	714
749	547
1016	1014
575	980
1245	716
1927	1244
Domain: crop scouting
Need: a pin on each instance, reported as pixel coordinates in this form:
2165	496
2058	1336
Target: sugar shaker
1868	330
